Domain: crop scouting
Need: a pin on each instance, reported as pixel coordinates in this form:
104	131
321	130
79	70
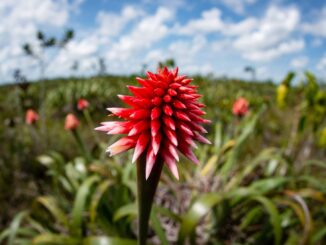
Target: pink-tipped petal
169	122
186	150
156	142
140	114
155	127
121	145
139	128
140	146
182	116
185	128
171	136
201	139
172	149
167	110
150	161
170	162
120	112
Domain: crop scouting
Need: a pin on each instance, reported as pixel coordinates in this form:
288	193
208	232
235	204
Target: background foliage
260	182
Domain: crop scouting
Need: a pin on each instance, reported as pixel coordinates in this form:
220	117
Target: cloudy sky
218	36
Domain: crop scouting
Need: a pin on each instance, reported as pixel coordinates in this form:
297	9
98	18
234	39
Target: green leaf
55	239
218	139
318	235
50	203
200	207
97	196
80	203
126	210
132	186
102	240
275	218
14	227
266	154
156	224
167	212
266	185
234	154
250	217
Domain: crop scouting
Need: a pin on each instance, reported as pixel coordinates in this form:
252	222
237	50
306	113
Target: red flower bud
82	104
71	122
31	116
240	107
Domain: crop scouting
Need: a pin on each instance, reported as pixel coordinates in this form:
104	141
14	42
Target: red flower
240	107
31	116
82	104
164	117
71	122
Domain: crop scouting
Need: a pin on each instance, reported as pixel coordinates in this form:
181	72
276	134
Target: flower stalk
81	145
90	123
146	190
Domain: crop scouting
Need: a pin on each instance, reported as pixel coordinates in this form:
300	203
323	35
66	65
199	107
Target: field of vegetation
261	181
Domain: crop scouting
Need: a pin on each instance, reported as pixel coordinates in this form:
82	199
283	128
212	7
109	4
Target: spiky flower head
164	117
31	116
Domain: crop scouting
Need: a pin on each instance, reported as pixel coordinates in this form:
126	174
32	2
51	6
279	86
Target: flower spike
163	118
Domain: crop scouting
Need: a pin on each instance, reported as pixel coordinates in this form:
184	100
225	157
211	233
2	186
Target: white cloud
111	24
149	30
271	37
20	20
277	24
240	28
84	51
210	21
131	36
317	27
269	54
184	52
299	62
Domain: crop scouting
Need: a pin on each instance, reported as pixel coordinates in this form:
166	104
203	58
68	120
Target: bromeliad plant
164	118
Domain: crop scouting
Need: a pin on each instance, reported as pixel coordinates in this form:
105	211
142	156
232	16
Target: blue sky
204	36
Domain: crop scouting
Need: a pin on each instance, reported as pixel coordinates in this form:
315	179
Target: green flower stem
81	145
90	123
146	191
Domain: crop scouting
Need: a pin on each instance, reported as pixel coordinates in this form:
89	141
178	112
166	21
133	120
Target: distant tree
170	63
75	66
45	43
101	66
38	53
251	70
18	76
